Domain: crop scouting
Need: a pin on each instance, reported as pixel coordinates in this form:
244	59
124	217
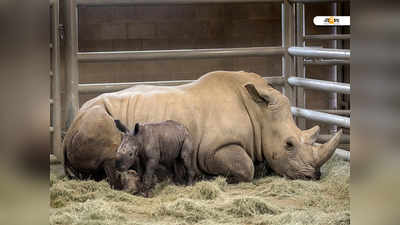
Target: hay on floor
268	200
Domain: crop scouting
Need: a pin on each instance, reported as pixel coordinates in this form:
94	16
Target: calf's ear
121	126
136	130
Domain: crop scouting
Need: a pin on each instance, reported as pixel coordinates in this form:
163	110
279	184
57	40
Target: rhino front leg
233	162
151	166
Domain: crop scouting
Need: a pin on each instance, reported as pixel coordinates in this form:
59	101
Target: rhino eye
130	154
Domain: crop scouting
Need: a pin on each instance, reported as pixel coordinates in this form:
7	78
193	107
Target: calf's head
288	150
128	150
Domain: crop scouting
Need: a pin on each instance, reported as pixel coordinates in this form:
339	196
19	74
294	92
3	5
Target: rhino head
128	151
289	151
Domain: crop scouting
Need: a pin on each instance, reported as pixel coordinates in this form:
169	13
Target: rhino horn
326	150
310	135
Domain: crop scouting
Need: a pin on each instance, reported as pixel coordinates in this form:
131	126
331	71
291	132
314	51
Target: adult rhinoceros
236	120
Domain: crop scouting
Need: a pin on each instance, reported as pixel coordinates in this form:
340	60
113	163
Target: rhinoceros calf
235	118
151	144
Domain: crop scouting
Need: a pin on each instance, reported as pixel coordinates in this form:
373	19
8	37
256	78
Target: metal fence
295	55
55	99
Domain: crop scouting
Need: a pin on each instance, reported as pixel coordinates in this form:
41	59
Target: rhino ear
256	95
136	129
121	126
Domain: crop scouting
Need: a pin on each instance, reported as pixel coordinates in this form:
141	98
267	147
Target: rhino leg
232	161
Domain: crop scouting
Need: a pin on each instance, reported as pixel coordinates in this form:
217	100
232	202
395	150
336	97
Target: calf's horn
326	150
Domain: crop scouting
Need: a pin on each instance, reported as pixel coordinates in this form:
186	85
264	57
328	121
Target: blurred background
375	68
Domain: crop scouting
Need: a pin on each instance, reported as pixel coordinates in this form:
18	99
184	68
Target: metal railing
328	37
150	2
178	54
320	52
111	87
321	85
326	62
321	117
293	51
318	1
55	101
306	55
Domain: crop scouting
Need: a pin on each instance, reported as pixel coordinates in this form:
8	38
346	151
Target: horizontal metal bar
322	85
344	139
317	1
147	2
329	53
335	111
178	54
326	62
111	87
328	37
321	117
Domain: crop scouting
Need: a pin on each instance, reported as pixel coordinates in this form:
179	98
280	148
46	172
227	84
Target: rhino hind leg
233	162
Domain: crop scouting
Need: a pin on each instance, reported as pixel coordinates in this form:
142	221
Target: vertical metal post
300	68
340	45
287	41
56	123
333	72
71	63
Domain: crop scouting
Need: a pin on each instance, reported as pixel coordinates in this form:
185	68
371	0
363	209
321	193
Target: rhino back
211	108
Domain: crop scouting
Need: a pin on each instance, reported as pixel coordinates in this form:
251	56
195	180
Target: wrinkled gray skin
149	145
235	118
